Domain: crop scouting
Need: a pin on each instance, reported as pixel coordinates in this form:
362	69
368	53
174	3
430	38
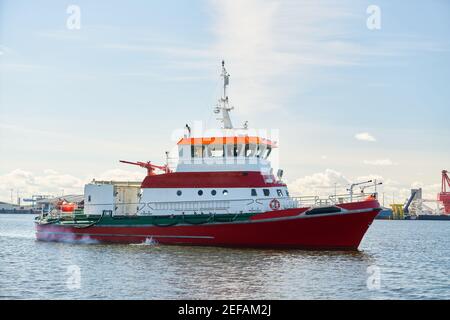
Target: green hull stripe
163	221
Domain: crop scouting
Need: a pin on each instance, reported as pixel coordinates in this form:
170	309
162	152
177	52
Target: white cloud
380	162
268	41
365	136
121	175
270	47
5	50
429	191
50	171
25	184
50	182
272	44
374	177
321	183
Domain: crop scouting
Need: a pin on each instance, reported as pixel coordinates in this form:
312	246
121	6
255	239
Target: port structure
416	207
444	195
413	205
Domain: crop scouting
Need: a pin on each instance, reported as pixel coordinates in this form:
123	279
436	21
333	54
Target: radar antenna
223	105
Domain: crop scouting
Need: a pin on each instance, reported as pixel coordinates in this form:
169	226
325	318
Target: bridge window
280	194
266	192
230	150
264	151
268	151
251	149
197	151
184	152
240	150
261	149
254	194
214	150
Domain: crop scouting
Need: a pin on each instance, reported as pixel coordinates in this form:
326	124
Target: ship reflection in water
409	260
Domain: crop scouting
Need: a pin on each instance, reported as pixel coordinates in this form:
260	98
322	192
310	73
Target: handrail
225	204
330	200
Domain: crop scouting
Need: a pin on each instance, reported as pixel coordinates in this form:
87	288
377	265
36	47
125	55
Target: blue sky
74	102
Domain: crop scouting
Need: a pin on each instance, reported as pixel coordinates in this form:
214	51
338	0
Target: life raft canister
274	204
371	197
68	207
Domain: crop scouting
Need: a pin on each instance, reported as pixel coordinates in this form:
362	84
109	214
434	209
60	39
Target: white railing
330	200
216	206
190	205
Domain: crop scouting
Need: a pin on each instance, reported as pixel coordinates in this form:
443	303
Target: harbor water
396	260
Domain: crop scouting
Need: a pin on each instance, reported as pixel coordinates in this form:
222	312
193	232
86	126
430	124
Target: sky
352	94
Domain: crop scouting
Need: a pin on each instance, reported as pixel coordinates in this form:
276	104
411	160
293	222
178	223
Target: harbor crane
444	195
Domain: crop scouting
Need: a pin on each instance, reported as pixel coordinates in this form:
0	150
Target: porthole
225	192
179	193
213	192
200	192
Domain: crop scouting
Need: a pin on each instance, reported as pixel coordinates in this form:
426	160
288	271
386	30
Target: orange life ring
274	204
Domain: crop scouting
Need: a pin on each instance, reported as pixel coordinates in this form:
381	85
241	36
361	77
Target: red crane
149	166
444	195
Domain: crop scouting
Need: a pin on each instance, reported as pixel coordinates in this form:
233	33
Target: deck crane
444	195
354	185
375	184
149	166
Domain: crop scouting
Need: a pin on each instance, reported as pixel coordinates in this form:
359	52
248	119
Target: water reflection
202	272
414	263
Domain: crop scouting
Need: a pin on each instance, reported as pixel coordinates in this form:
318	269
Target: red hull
338	231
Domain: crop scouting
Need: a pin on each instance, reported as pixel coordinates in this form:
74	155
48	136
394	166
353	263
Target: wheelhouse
220	148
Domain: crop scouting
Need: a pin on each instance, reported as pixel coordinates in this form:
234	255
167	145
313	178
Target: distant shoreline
18	212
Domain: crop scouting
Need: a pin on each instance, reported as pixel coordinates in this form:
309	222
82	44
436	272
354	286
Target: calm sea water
397	260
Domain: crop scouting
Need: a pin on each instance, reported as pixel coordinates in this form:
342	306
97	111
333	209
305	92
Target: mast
223	105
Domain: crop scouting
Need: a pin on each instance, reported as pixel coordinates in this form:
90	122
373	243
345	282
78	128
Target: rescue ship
223	192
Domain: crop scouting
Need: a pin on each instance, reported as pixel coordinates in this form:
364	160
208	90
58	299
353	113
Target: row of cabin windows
200	192
254	193
229	150
266	192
